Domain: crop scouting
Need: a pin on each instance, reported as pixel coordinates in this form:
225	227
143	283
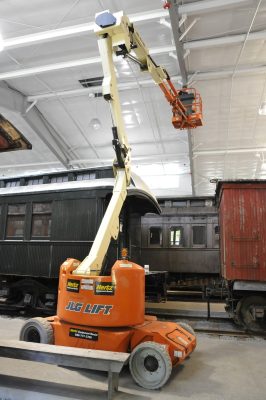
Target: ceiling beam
14	101
74	30
174	19
200	76
21	73
178	36
80	29
210	6
224	40
10	99
229	151
152	158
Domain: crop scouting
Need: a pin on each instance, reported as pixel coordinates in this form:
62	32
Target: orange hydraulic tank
109	301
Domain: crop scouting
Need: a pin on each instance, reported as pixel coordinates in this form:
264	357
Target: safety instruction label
87	281
87	287
82	334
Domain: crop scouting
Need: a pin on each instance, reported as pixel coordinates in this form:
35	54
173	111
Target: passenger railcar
184	240
46	219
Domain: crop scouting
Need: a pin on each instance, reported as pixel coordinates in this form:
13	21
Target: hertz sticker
104	288
73	285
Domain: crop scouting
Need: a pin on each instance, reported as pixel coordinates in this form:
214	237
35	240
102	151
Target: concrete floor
219	369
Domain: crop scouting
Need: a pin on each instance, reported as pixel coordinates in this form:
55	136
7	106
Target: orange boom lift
107	312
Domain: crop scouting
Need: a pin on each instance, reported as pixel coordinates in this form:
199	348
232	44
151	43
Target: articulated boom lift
108	312
186	102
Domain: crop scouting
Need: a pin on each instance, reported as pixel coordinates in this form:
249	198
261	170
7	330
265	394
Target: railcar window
156	236
176	236
58	179
86	176
12	183
35	181
199	235
179	203
41	220
197	203
217	230
15	221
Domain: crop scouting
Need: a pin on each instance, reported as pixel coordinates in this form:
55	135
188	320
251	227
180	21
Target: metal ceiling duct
11	138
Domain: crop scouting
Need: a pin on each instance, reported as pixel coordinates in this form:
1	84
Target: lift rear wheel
37	330
150	365
253	314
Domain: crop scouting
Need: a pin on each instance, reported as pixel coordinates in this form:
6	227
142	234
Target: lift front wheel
37	330
150	365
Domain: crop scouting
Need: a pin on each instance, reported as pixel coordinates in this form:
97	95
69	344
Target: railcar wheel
150	365
187	327
37	330
253	313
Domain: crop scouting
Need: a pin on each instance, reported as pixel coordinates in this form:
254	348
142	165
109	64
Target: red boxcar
242	217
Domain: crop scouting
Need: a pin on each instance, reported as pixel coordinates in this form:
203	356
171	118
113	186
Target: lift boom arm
118	36
109	227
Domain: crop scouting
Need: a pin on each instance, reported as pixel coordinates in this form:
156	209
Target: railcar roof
138	190
221	183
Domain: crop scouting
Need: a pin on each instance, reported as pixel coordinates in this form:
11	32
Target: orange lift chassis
107	312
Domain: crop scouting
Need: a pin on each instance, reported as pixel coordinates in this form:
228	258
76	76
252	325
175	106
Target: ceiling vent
91	82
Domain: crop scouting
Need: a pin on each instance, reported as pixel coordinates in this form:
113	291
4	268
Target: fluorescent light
49	35
1	43
262	109
19	73
75	30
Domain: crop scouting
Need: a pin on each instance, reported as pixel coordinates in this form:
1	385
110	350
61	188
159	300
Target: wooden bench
99	360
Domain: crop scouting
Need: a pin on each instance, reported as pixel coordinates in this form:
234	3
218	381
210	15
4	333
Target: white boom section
109	228
108	39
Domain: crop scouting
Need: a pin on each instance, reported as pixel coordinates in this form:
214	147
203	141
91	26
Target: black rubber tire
237	315
37	330
158	366
258	326
187	327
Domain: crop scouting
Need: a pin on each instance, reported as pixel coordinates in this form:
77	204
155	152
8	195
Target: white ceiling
227	64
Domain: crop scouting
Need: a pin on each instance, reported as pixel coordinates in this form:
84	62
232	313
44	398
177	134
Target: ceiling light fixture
262	109
95	124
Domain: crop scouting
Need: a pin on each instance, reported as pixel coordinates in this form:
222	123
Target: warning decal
82	334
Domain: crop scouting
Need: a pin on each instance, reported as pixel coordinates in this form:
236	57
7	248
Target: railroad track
217	325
